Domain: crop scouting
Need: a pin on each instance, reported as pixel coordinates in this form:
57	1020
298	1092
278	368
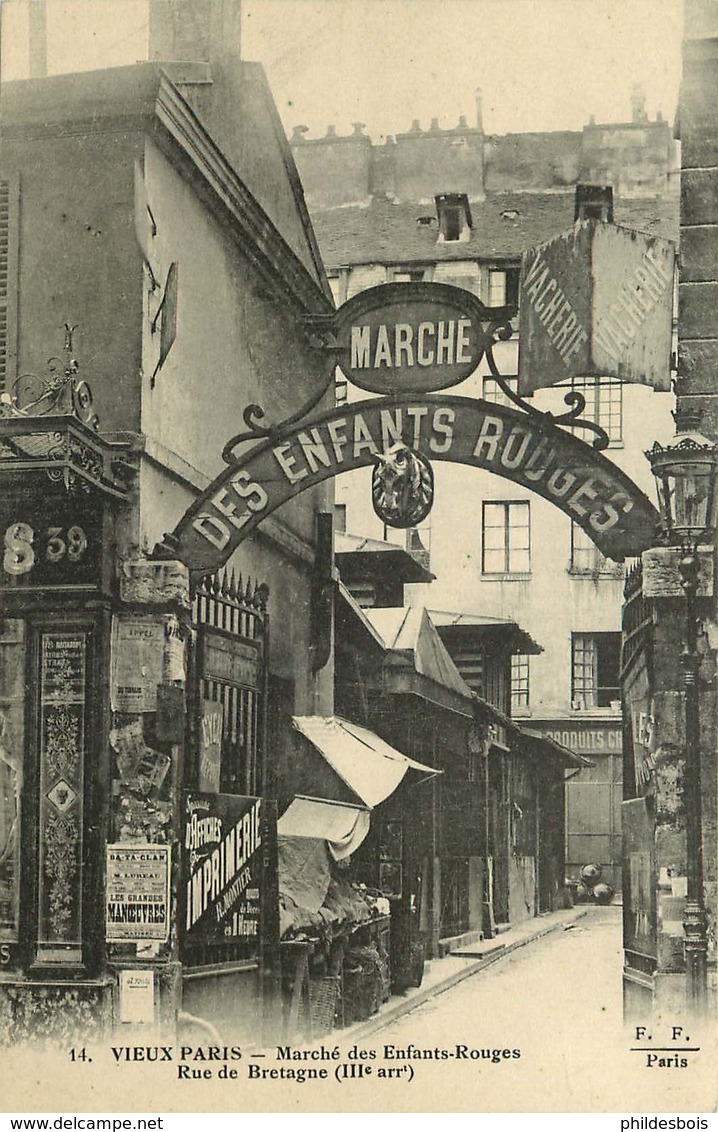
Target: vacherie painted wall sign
529	451
413	337
596	300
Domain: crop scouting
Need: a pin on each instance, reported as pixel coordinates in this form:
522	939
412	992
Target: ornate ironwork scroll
58	393
575	400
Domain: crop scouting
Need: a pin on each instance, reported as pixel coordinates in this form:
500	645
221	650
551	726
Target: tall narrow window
595	666
503	286
506	538
519	682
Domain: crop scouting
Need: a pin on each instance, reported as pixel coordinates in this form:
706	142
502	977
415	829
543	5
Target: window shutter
8	282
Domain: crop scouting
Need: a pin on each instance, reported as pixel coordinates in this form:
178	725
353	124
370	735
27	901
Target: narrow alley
558	1002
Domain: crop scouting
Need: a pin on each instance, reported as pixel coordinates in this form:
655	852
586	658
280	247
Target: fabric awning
368	765
342	826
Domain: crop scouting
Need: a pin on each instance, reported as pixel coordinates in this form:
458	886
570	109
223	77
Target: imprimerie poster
357	682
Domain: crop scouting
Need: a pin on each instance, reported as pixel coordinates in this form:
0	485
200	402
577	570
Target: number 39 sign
41	546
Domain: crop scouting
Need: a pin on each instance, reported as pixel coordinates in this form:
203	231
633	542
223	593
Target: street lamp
686	470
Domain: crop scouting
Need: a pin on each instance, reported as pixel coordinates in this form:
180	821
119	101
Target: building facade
142	709
460	206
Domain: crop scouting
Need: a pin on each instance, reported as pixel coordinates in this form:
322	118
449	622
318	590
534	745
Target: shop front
65	492
593	794
349	909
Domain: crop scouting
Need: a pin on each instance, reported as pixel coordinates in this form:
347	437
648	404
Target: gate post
665	890
146	800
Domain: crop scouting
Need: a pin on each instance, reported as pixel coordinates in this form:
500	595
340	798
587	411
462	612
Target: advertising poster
210	746
222	872
137	892
137	662
358	373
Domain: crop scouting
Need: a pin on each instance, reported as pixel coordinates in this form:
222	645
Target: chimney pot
358	127
462	122
434	123
331	131
298	132
415	127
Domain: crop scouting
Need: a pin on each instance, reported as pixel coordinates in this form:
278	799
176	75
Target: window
595	664
406	275
604	403
493	392
503	286
519	682
340	518
454	217
505	538
586	558
593	202
339	281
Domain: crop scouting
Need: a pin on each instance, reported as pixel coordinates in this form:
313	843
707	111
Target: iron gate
232	628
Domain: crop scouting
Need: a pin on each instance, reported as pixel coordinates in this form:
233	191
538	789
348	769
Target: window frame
602	409
508	571
492	392
596	563
596	692
520	682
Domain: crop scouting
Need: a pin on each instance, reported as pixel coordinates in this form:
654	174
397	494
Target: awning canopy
369	766
342	826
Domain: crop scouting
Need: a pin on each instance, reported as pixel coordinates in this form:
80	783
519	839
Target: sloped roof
504	226
464	625
357	551
410	629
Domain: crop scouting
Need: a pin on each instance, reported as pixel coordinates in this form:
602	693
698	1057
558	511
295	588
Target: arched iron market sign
406	341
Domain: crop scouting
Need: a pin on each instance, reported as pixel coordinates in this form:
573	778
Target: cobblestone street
558	1001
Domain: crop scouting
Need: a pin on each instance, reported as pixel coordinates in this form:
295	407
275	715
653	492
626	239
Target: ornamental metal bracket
60	393
254	413
49	424
574	399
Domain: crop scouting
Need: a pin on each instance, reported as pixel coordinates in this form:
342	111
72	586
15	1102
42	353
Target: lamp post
686	471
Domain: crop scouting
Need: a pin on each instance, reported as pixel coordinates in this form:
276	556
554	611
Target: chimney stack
479	95
200	31
638	104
